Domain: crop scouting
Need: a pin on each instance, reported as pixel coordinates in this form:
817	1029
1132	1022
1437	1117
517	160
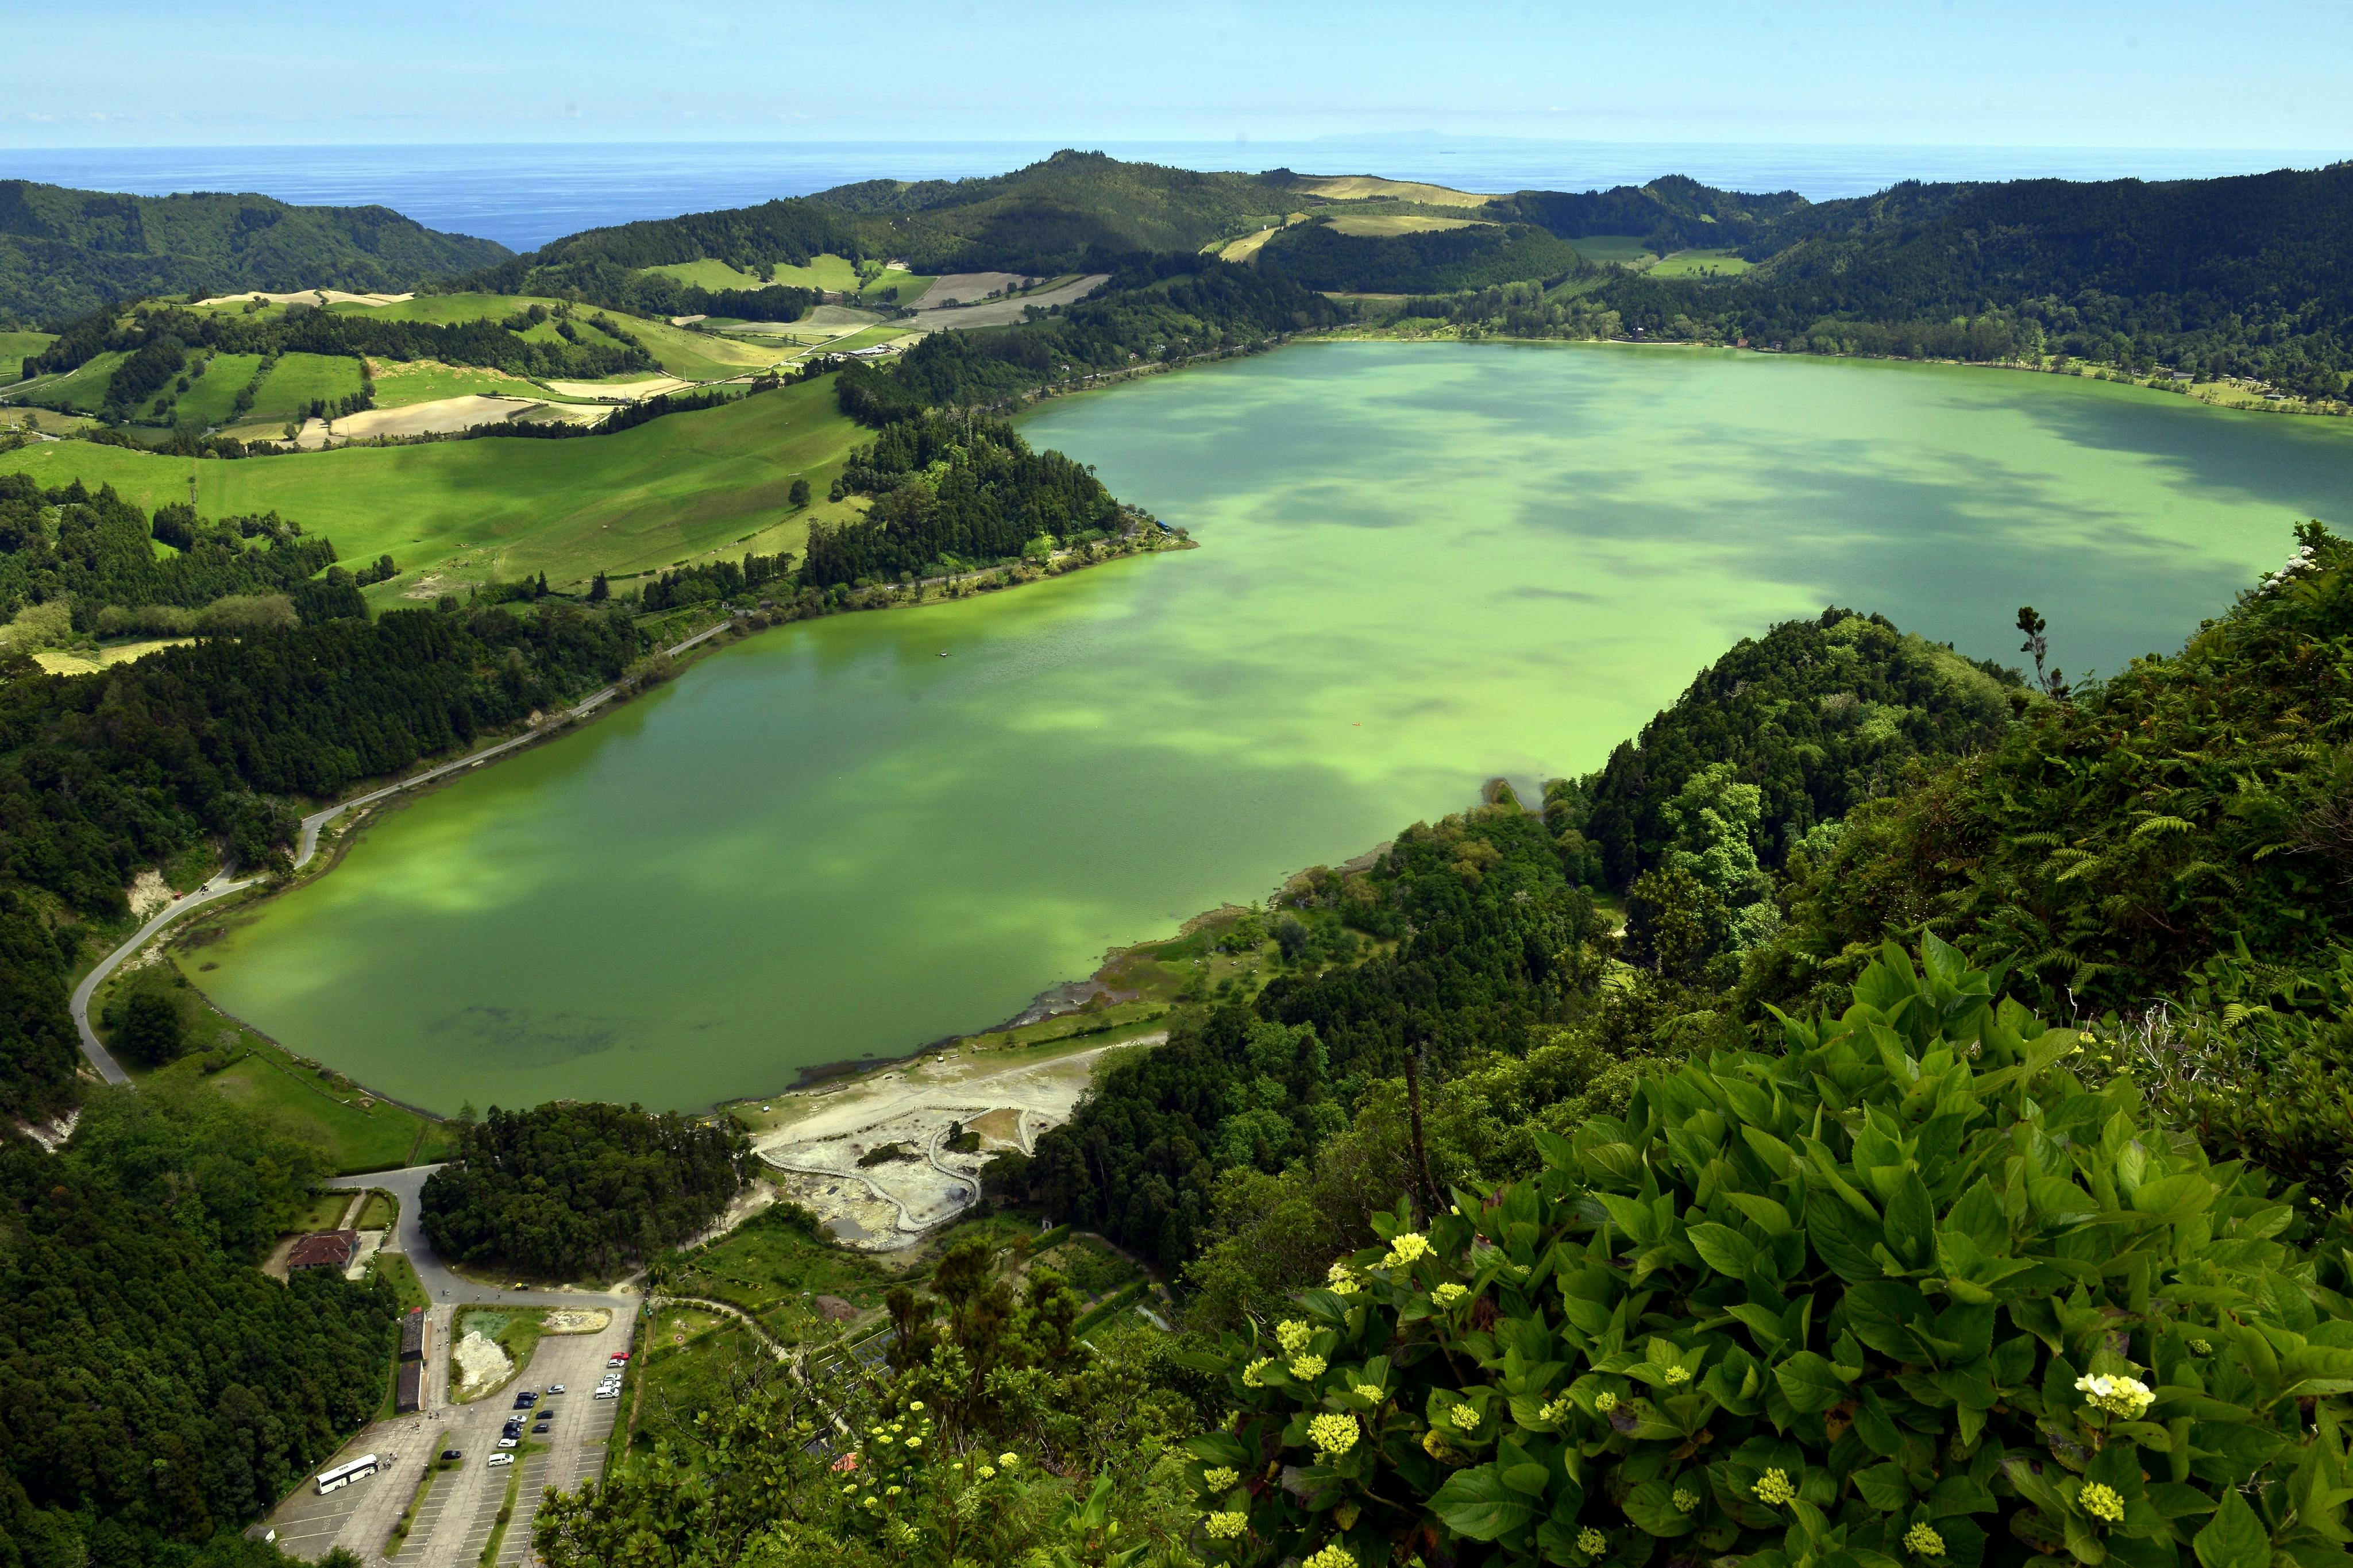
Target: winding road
441	1285
101	1061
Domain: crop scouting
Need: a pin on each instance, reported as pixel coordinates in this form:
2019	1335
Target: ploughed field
1424	566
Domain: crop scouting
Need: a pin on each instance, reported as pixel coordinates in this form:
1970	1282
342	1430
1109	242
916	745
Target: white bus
345	1475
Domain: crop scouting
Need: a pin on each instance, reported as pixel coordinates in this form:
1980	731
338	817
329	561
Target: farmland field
15	347
1626	249
82	390
401	386
1381	225
212	397
1700	264
463	510
299	380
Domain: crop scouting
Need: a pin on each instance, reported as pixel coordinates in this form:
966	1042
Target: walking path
102	1061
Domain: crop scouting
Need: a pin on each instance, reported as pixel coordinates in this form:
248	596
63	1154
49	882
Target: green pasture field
212	397
323	1212
1700	264
714	481
402	385
17	347
689	356
298	380
909	285
82	390
834	274
1626	249
377	1137
703	356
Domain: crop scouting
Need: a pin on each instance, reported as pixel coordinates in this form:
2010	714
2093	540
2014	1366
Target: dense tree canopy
569	1192
155	1387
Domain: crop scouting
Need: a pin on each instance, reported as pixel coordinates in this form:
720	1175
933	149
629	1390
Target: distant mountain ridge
65	252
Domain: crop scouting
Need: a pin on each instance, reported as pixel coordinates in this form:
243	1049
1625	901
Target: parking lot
454	1524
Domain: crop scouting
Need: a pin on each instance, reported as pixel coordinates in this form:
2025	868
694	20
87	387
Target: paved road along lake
1423	565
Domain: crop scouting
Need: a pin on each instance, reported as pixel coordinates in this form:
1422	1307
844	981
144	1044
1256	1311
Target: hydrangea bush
1905	1295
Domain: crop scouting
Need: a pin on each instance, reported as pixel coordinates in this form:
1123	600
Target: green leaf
1765	1213
2234	1538
1723	1249
2175	1199
1883	1488
1527	1478
1910	1224
1842	1239
1477	1504
1811	1383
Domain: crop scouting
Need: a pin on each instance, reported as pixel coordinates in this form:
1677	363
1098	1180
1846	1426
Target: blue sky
1971	72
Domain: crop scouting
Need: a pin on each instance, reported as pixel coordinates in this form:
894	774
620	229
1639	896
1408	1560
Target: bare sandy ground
931	318
1357	187
309	297
628	390
442	415
812	1140
966	287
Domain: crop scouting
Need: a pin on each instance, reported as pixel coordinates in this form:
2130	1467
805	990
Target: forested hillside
1319	256
156	1389
64	252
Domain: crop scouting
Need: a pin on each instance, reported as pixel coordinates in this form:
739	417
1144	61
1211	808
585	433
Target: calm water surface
1422	566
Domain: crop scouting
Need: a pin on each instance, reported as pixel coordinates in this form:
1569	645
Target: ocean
526	195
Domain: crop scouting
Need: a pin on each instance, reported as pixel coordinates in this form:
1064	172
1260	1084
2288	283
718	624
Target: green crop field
1700	264
16	348
299	380
402	385
1626	249
674	489
79	391
212	396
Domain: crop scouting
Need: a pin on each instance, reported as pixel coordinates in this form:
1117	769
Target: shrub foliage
1908	1292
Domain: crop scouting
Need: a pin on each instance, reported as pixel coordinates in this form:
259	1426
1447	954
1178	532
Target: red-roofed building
322	1250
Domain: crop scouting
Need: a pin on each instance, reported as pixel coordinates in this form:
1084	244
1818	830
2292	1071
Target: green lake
1422	566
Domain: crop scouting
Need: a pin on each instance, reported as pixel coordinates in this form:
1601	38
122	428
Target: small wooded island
1880	1113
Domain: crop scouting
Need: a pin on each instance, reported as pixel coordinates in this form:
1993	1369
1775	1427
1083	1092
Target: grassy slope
832	273
1627	250
211	396
673	489
299	379
15	346
82	390
399	385
1695	263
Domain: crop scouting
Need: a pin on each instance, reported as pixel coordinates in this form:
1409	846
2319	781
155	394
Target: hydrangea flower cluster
1332	1556
1224	1524
1292	1335
1605	1402
1254	1374
1676	1375
2300	562
1591	1541
1923	1542
1369	1391
1685	1500
1341	1280
1773	1488
1408	1246
2102	1501
1464	1417
1219	1479
2125	1396
1333	1435
1307	1368
1446	1295
1559	1409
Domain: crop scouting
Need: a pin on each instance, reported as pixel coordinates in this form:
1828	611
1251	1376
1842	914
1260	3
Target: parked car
554	1388
451	1456
497	1459
508	1442
608	1394
620	1355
